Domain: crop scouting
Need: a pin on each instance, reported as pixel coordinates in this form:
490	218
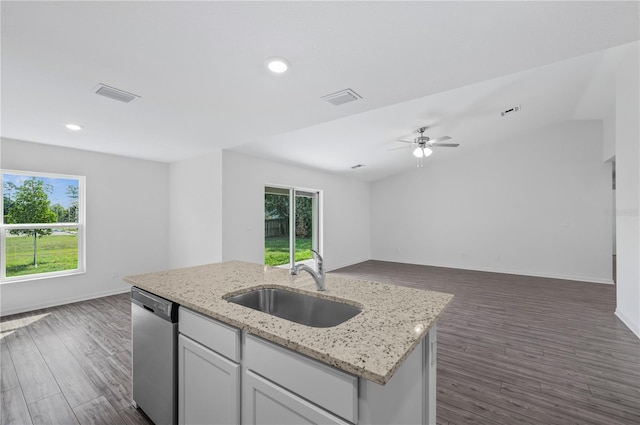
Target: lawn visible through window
54	252
276	250
43	224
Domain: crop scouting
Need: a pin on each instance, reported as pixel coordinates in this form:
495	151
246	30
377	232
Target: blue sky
57	196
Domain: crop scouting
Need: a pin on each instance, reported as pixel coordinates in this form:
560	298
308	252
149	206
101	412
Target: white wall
195	231
628	192
535	205
346	209
609	142
127	220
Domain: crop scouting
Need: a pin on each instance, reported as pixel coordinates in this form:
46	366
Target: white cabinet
226	376
208	386
266	403
208	382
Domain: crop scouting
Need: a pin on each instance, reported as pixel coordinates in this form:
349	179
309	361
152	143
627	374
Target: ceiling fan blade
440	139
446	145
401	147
405	141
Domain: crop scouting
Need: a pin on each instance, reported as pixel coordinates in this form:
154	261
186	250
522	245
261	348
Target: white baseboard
62	301
515	272
633	327
348	264
544	275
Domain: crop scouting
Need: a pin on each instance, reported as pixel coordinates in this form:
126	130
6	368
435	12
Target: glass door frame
316	219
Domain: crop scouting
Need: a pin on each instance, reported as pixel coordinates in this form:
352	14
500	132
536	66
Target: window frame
80	226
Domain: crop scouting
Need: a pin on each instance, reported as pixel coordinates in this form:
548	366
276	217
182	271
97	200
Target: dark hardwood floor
525	350
512	350
69	365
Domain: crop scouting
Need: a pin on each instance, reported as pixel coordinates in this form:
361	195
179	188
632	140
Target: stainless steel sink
300	308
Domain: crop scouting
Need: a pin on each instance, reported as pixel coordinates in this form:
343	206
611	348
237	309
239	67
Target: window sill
50	275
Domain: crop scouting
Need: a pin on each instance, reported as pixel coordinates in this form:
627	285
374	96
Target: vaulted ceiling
198	68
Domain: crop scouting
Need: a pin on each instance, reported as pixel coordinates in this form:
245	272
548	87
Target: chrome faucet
317	274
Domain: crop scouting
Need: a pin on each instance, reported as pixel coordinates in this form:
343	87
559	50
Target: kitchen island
386	353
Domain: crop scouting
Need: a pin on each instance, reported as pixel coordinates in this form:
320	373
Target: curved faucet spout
318	274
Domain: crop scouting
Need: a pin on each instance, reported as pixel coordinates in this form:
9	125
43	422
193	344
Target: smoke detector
341	97
114	93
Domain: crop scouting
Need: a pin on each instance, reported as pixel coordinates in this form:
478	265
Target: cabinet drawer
328	387
219	337
268	403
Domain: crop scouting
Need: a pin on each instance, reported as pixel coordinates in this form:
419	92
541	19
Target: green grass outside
55	253
60	252
276	250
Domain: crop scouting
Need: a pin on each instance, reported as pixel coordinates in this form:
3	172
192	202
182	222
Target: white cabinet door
265	403
209	386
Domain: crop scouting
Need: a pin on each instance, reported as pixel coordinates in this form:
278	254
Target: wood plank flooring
512	350
69	365
525	350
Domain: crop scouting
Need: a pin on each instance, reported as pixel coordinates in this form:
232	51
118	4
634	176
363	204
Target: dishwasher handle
154	304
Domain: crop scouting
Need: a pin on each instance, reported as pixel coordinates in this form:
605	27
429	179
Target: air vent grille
114	93
341	97
510	111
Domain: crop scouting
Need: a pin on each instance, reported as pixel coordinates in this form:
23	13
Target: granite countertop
371	345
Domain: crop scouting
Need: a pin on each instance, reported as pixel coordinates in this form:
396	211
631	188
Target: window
42	230
291	229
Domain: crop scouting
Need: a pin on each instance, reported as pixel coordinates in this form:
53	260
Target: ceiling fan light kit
420	152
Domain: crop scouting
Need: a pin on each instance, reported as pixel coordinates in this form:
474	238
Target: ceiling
198	68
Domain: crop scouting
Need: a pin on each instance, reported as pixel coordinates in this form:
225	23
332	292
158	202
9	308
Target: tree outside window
280	220
43	226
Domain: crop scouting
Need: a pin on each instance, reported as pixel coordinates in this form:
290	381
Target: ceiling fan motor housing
422	140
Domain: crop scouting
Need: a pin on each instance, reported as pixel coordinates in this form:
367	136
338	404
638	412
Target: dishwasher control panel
155	304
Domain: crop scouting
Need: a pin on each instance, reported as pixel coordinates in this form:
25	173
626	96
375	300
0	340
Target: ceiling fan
422	144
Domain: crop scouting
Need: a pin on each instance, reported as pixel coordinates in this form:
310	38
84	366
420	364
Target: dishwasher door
155	356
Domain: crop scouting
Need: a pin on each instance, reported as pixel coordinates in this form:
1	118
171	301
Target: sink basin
300	308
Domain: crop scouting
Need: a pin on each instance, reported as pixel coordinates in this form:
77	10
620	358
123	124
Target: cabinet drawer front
221	338
323	385
268	403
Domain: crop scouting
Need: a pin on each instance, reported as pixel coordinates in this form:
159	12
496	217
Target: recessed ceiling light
74	127
277	65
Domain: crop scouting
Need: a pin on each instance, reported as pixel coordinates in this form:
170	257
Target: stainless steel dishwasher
155	356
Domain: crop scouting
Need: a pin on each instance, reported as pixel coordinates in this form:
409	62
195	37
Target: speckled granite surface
371	345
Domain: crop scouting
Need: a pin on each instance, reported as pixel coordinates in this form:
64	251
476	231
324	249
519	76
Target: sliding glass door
291	229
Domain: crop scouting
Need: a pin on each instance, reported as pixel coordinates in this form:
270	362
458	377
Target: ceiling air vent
510	111
114	93
343	96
